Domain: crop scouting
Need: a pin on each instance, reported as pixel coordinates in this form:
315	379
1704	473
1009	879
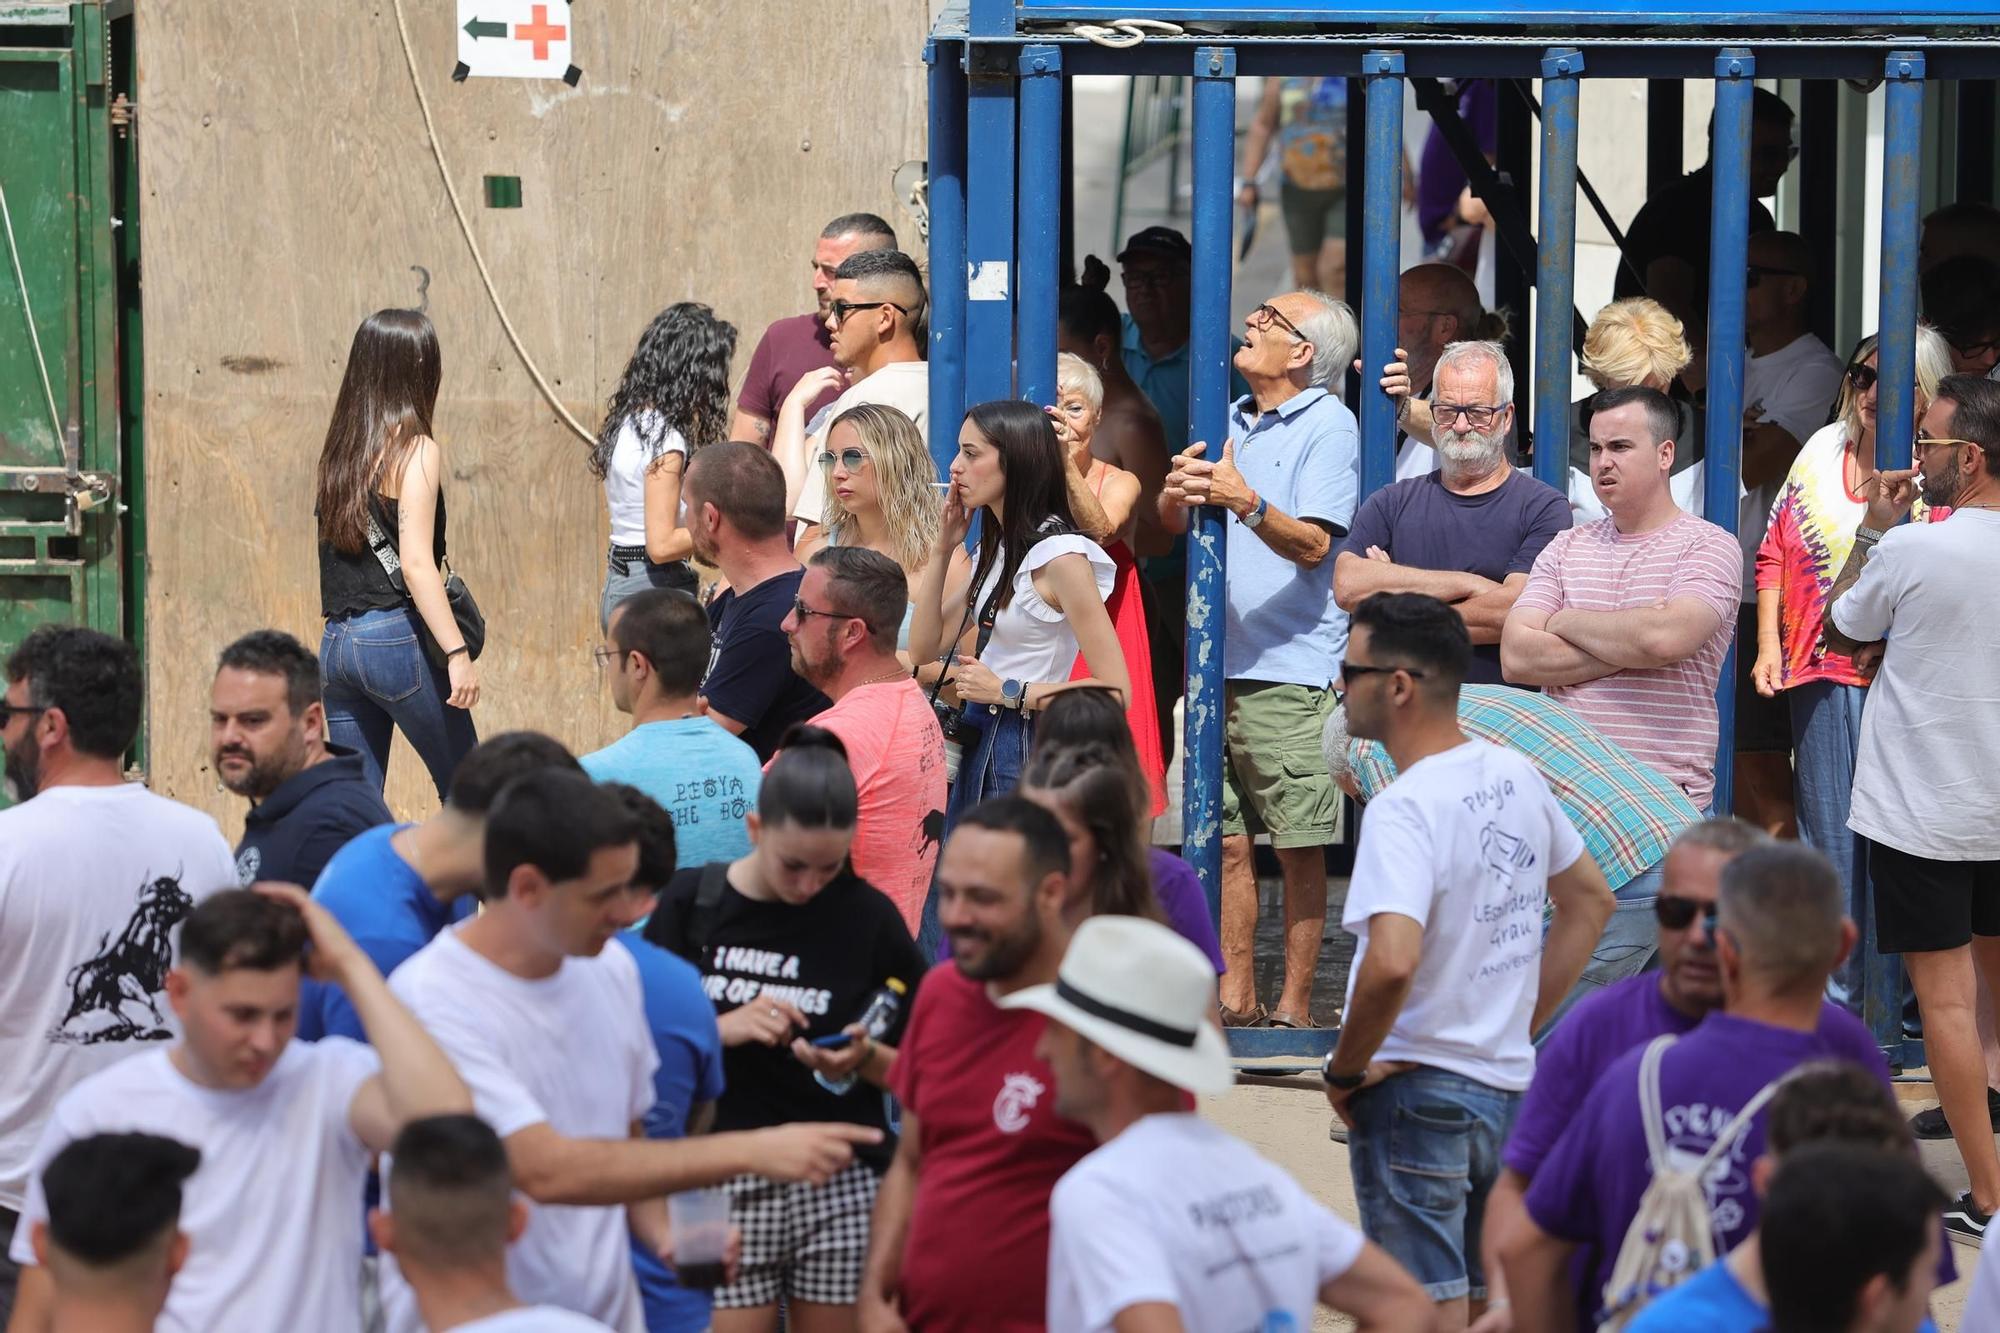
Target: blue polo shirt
1165	381
1304	458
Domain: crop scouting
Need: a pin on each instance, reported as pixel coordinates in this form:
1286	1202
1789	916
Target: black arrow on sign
477	28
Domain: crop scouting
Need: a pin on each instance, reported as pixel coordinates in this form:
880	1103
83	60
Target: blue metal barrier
1381	261
1555	264
1729	266
1208	420
946	198
1039	245
989	229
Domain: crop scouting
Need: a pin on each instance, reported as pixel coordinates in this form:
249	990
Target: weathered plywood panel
289	190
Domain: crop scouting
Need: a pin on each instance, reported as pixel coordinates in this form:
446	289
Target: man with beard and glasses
960	1239
1931	726
267	740
843	634
1629	1013
95	874
1468	533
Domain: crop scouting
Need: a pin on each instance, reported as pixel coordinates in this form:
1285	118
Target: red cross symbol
540	31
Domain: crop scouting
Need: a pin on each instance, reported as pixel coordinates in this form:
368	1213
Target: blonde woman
881	492
1104	499
1810	534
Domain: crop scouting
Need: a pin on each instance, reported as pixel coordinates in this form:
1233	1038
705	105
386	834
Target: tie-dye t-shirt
1810	536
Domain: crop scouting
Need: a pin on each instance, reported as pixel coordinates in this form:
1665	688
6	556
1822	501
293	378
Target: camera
958	736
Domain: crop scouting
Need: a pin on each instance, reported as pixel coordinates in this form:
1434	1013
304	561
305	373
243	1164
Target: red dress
1128	619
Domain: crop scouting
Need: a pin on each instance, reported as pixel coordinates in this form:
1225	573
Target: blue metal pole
1208	420
1381	260
1039	243
1729	244
1896	424
947	248
1555	265
989	228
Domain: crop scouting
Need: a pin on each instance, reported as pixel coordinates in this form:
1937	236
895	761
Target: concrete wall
289	188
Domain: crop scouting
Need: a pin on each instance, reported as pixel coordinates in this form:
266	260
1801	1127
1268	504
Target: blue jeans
1425	1151
625	575
1826	725
990	768
1629	945
375	678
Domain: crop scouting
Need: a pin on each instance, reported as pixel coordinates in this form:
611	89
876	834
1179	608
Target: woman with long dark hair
381	518
672	399
1032	599
794	948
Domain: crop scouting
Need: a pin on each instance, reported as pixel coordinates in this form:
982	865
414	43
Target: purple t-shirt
789	350
1179	890
1440	179
1423	525
1588	1188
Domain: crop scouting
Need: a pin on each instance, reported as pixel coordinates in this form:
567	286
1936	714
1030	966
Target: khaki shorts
1274	779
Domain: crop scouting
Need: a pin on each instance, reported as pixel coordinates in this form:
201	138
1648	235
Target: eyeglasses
803	612
1861	376
605	655
1351	670
851	459
1264	316
1758	272
1149	280
1925	442
1676	913
1446	414
840	310
8	712
1974	351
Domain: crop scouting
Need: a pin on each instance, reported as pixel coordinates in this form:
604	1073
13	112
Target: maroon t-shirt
789	350
977	1257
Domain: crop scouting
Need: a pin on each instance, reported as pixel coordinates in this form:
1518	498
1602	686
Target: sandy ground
1288	1123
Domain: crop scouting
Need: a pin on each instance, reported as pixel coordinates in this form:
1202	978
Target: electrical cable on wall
465	228
27	310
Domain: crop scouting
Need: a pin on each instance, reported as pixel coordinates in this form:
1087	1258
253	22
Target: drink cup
700	1220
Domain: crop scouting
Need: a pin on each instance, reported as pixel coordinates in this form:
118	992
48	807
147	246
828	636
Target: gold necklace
877	680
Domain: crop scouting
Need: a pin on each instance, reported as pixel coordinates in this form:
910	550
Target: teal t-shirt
706	779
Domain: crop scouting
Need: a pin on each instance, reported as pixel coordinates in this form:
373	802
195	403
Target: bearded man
1468	533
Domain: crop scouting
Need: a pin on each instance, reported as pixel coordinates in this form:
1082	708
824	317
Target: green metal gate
62	545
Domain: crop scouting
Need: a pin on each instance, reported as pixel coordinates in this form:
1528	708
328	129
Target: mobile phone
834	1041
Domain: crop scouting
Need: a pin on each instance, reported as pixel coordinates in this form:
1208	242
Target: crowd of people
858	938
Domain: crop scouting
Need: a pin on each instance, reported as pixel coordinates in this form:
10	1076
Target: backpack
1671	1237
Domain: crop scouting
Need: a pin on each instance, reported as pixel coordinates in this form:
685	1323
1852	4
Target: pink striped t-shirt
1665	716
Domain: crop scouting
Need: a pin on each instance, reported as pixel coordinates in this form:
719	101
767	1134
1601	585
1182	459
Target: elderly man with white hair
1289	475
1468	533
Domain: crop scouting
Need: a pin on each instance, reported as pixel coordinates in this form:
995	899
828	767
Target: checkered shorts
804	1242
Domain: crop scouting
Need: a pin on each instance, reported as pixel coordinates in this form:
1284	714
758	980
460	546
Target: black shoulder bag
464	610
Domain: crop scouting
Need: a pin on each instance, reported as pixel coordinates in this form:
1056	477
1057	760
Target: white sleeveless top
1032	640
625	479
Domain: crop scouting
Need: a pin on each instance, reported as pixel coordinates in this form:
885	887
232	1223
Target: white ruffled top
1032	640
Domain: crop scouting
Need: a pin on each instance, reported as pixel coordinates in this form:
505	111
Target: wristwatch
1864	533
1013	694
1340	1082
1255	518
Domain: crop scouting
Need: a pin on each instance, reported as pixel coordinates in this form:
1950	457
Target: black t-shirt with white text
750	676
826	957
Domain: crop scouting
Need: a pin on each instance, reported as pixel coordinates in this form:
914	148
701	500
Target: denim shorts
1425	1151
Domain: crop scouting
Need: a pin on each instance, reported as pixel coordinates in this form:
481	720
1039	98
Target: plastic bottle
876	1020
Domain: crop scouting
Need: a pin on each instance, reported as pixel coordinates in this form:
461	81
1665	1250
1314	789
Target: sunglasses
1924	442
1264	316
1676	913
842	309
1861	376
8	712
1479	417
1355	670
851	459
1758	272
804	612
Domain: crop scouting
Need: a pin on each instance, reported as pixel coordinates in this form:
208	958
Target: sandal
1283	1019
1256	1016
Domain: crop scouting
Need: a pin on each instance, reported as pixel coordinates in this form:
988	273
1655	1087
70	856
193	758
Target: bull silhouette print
127	973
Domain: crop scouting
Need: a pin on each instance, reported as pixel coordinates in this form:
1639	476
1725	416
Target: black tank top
349	584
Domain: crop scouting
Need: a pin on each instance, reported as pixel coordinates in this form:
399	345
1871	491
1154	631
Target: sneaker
1931	1124
1963	1218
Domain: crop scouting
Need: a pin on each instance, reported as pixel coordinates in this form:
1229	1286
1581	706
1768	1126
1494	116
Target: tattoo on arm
1850	573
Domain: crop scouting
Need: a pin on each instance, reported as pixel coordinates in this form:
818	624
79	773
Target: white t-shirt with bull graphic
1463	843
94	882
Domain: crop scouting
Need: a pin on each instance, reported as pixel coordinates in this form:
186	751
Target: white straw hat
1141	992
